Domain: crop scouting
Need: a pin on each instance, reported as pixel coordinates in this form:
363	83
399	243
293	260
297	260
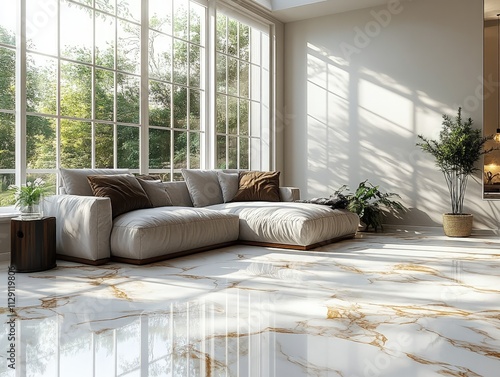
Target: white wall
360	86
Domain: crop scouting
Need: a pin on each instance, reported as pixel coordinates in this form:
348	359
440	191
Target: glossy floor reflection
393	304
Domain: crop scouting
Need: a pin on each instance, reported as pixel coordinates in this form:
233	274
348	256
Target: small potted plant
456	152
368	202
28	198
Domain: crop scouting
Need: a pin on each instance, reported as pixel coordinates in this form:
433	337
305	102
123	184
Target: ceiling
295	10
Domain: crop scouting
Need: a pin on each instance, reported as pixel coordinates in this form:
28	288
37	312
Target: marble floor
396	304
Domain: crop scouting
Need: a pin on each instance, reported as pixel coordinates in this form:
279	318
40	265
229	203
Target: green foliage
29	194
456	152
369	203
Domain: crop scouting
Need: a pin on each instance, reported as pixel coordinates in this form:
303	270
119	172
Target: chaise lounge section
141	220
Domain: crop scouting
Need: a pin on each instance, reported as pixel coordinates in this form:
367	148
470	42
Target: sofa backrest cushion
178	193
124	190
203	186
228	185
75	180
156	191
258	186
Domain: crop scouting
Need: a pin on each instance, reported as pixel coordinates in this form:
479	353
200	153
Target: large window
242	54
123	84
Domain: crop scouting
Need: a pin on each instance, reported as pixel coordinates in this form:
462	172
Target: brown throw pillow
258	186
125	192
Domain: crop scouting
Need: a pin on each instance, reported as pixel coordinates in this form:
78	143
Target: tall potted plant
456	151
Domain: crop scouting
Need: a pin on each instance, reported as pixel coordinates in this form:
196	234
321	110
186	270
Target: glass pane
159	149
129	9
76	90
160	56
221	114
180	62
194	150
232	115
41	26
160	15
178	176
7	141
232	152
40	142
196	33
8	23
255	82
221	37
104	40
194	109
255	122
181	18
106	5
232	76
221	73
244	41
48	178
221	152
6	195
76	32
243	117
159	104
128	47
128	147
104	146
180	107
255	46
76	144
104	94
180	149
41	84
8	79
127	101
244	79
244	153
194	66
232	37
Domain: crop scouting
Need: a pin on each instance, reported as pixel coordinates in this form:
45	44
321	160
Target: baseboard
433	230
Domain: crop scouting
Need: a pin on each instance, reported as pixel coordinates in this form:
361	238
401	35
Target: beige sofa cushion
203	186
288	223
155	232
75	180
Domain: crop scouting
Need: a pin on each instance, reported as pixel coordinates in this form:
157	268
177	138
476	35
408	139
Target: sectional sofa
108	214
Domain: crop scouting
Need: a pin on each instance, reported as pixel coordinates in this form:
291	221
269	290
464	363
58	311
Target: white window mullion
144	91
93	110
21	136
115	95
211	89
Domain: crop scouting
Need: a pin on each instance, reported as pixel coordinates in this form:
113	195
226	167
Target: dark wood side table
33	244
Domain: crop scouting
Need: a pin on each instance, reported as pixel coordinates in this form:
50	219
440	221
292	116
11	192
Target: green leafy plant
29	194
456	151
369	203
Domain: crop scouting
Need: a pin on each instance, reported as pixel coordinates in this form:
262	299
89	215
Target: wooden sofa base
170	256
97	262
160	258
298	247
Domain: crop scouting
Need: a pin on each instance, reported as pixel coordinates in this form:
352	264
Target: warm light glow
497	136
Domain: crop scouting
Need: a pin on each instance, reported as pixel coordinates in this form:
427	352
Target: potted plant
456	152
28	198
368	202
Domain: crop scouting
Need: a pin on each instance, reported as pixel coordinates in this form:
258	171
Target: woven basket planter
457	225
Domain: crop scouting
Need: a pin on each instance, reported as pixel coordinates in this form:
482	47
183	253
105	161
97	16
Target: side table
33	244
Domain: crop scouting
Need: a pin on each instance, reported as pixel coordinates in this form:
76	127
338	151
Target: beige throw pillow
203	186
156	190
